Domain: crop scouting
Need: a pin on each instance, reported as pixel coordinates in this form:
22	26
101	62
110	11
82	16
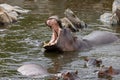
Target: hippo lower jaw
52	47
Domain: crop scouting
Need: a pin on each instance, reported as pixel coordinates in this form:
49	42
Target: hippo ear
76	72
110	70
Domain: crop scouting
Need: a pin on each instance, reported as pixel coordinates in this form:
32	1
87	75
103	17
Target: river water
21	43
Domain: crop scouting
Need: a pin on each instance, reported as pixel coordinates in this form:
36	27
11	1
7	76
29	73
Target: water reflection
60	59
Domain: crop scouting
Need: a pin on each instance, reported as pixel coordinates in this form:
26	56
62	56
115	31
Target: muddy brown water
21	42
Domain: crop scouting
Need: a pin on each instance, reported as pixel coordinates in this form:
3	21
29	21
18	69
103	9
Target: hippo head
70	75
62	38
106	72
93	62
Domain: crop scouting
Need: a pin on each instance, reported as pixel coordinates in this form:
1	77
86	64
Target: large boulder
114	16
9	14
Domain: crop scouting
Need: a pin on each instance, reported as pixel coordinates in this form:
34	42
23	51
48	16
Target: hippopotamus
93	62
38	71
33	70
70	75
9	14
63	39
105	72
113	17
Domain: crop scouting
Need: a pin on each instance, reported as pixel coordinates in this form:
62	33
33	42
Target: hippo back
33	70
100	37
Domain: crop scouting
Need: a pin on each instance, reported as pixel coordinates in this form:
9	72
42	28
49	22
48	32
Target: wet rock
108	18
10	14
72	21
114	17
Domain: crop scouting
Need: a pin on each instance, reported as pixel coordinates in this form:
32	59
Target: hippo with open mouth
63	40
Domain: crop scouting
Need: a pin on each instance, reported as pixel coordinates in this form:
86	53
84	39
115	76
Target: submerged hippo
93	62
37	71
105	72
9	14
70	75
62	38
114	17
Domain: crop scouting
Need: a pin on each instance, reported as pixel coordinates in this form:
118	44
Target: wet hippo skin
93	62
62	38
38	71
105	72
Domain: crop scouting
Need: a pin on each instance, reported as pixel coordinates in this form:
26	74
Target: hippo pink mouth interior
54	36
53	24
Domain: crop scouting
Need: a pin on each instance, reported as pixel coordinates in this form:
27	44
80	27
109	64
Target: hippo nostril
101	74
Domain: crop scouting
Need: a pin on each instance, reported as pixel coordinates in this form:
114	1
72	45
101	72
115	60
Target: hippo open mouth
54	23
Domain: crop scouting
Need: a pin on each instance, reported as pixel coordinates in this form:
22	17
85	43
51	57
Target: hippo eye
101	73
